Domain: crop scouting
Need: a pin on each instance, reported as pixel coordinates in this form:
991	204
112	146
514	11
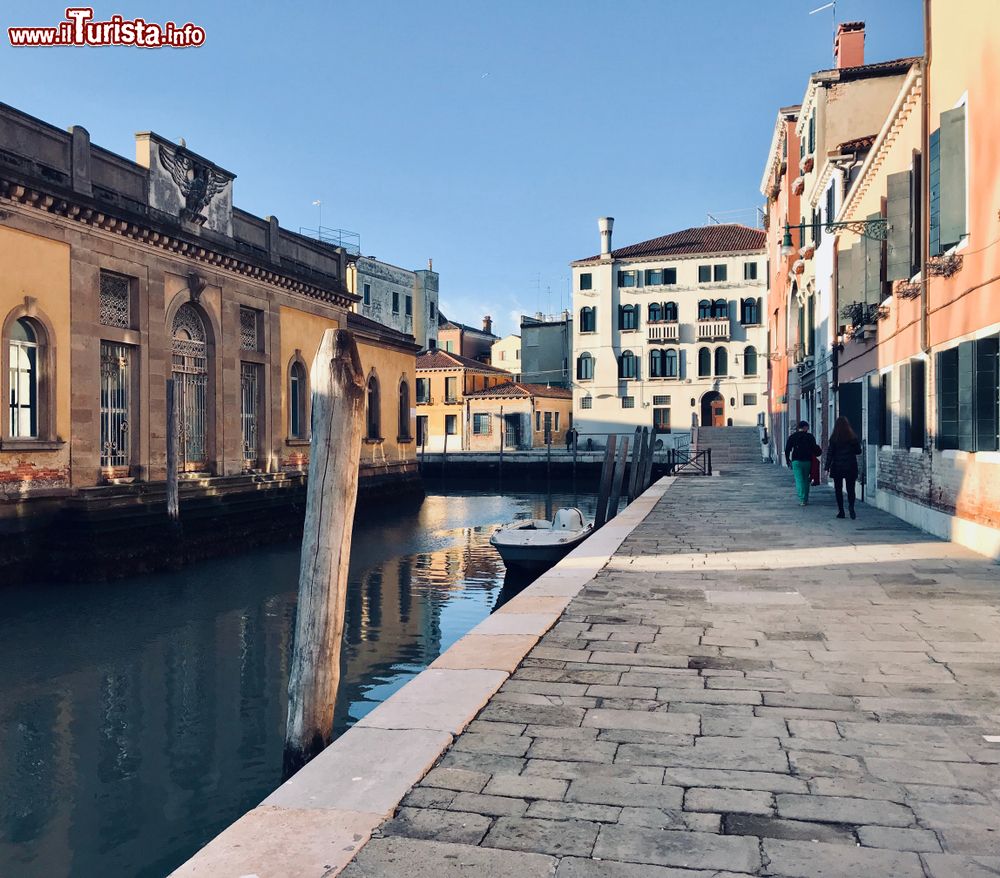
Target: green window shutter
873	268
952	177
986	388
966	396
947	399
874	409
846	287
918	397
934	196
905	405
899	259
916	218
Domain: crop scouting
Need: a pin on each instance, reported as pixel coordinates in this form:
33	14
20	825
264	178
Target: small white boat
537	543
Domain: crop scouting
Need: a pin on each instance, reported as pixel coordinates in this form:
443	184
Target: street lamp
875	229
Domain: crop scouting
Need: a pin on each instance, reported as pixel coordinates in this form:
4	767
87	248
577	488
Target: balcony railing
713	329
663	331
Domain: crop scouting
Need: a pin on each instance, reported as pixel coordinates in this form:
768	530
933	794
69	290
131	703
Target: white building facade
671	332
397	297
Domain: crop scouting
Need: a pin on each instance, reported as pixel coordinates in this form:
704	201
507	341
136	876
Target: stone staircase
733	448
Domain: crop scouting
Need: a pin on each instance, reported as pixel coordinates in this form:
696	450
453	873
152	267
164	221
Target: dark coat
842	459
801	445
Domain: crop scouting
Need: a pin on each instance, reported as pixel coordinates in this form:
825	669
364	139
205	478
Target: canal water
141	717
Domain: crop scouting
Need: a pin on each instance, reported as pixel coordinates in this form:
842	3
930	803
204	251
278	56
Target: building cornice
778	137
71	206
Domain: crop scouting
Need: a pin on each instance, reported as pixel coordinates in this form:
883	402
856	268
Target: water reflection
141	717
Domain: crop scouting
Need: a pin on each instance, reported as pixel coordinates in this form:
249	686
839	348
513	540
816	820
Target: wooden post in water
548	457
173	498
500	479
601	515
331	494
649	461
444	452
643	457
616	484
633	470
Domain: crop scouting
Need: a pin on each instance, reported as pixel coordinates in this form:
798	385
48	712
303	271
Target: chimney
606	224
488	324
849	45
430	264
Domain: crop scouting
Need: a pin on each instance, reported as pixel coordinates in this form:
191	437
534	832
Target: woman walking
842	463
800	449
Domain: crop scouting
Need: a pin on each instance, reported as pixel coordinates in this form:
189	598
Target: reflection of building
668	331
119	275
506	354
546	344
457	338
530	415
443	380
406	301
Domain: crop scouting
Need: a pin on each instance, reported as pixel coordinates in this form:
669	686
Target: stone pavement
747	688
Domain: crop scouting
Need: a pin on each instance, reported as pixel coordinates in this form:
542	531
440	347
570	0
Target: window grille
249	333
115	300
661	400
115	404
628	402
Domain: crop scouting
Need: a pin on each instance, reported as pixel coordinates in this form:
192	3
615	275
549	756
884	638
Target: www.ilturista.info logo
80	29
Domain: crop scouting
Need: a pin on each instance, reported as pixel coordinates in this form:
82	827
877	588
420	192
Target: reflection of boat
537	543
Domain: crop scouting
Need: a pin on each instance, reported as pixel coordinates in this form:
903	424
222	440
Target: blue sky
489	136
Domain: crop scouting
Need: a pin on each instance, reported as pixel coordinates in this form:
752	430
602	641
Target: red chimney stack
849	45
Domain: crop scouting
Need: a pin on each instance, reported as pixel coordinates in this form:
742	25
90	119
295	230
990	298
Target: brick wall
19	474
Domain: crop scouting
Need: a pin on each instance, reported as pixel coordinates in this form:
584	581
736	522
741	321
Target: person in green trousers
800	449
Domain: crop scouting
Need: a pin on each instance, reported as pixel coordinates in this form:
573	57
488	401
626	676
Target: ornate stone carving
198	183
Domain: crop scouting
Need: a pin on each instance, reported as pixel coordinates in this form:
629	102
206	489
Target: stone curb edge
314	824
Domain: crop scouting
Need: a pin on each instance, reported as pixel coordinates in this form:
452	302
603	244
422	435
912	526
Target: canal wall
315	823
523	467
120	530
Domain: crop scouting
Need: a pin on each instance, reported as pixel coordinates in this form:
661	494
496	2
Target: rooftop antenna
833	6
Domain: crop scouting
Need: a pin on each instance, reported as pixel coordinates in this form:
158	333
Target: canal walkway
747	687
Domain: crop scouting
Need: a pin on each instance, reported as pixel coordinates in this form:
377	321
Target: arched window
298	394
670	312
670	363
721	361
628	365
663	363
720	308
628	317
403	433
584	367
750	360
704	362
704	309
750	312
656	363
24	379
189	349
588	320
373	418
655	312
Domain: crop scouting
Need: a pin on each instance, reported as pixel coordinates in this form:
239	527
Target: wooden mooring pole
331	495
616	484
604	491
500	471
633	470
173	497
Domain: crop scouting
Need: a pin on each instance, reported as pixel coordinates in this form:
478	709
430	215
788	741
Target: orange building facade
914	269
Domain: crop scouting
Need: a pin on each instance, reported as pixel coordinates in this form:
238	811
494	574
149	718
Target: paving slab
750	688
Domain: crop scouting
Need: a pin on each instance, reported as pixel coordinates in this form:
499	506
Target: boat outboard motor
568	519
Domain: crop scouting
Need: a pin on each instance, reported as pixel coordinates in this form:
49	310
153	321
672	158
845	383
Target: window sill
635	329
404	440
31	444
369	441
297	442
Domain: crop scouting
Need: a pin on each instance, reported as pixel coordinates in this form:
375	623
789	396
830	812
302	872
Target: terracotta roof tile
858	144
719	238
445	360
520	389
